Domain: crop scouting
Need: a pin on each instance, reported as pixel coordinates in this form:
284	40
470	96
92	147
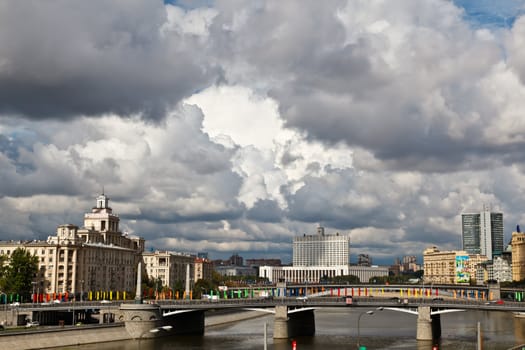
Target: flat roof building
321	249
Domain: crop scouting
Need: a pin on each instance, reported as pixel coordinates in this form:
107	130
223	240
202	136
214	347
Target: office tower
321	249
482	232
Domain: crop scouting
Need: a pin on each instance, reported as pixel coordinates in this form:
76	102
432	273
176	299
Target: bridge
294	316
292	307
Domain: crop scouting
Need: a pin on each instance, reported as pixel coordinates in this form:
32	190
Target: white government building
320	256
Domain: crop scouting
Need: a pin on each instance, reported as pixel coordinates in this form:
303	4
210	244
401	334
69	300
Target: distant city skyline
233	127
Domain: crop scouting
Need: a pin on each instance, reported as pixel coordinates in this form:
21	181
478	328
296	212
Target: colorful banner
462	272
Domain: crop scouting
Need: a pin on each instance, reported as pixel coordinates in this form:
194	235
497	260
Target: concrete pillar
494	291
424	323
138	290
140	319
280	324
187	288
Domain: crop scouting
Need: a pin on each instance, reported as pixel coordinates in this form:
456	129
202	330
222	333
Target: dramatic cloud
61	59
232	126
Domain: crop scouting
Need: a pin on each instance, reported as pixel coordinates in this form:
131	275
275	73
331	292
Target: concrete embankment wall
40	339
62	337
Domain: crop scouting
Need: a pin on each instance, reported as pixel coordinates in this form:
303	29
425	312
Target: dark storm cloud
375	77
62	58
265	211
339	200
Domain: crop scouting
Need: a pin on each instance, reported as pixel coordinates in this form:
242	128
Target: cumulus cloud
231	127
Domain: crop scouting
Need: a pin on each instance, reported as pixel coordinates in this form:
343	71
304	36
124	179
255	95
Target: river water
336	328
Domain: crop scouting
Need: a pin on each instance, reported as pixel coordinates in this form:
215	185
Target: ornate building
450	267
518	255
95	257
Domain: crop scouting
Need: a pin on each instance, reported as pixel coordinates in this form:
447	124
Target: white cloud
384	120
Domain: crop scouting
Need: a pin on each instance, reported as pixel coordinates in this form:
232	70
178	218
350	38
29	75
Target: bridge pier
139	319
428	326
147	321
280	323
287	325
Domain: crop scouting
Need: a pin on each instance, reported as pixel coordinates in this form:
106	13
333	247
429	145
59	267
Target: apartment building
94	257
450	267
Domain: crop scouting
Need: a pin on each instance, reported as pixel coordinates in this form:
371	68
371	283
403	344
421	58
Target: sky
229	127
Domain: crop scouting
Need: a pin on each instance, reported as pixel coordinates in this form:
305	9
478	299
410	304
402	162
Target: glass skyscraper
482	233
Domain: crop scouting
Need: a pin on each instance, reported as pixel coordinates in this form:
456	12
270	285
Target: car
30	324
105	301
437	299
16	303
303	298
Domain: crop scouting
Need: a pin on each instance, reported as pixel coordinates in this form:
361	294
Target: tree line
16	276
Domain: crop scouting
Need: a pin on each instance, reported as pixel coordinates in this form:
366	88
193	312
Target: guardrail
326	301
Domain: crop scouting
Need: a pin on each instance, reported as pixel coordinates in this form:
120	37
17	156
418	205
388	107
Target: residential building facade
518	255
203	269
450	267
94	257
170	268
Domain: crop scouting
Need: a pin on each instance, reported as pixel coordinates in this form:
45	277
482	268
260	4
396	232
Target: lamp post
33	295
369	312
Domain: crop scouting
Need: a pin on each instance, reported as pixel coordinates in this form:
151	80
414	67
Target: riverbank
53	337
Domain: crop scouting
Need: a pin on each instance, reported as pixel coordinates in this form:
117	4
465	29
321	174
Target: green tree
343	279
202	287
3	271
19	273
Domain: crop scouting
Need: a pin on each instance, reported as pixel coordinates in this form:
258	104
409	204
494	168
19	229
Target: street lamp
369	312
33	295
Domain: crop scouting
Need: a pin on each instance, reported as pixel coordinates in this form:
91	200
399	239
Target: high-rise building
320	257
321	249
482	233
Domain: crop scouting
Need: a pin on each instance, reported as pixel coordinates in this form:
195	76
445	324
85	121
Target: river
336	328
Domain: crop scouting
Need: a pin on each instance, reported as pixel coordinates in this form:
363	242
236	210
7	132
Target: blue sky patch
492	13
